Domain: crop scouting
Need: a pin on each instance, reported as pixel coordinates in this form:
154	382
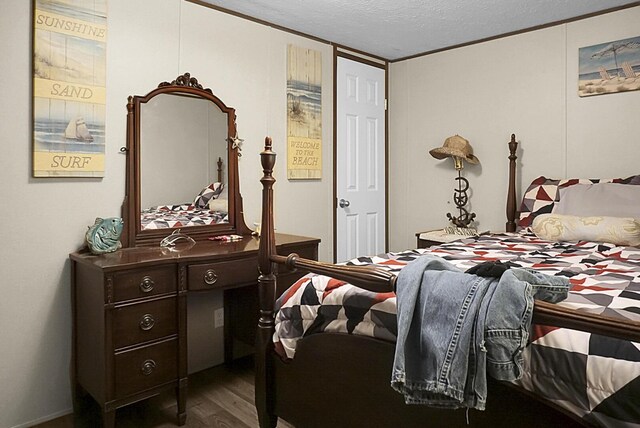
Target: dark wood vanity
130	315
130	306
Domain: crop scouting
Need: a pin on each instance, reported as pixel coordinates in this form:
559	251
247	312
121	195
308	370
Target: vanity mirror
182	165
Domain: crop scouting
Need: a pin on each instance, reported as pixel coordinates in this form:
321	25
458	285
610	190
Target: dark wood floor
218	397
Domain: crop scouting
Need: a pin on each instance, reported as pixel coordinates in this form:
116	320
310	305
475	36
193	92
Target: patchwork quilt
183	215
594	377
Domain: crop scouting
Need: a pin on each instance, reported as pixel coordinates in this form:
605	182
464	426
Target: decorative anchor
460	198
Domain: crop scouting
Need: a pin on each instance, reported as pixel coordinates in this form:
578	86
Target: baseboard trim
45	418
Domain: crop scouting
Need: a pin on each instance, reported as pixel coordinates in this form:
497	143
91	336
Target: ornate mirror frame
131	208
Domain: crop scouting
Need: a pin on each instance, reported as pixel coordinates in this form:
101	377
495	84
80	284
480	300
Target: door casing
383	64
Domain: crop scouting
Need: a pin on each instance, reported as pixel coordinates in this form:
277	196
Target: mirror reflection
183	162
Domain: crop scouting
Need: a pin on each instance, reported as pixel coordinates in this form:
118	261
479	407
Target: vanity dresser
130	313
130	306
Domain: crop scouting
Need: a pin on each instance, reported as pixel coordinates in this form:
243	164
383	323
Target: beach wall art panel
304	113
69	88
609	67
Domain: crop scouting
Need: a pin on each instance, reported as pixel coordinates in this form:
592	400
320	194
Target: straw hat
455	146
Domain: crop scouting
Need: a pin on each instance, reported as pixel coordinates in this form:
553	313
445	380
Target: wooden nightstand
434	237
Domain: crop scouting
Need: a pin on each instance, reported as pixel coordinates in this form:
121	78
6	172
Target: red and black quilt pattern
182	215
594	377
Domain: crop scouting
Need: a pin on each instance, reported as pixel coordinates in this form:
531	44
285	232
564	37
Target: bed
342	376
210	206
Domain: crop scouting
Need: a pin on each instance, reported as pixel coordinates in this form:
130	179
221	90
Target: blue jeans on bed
454	327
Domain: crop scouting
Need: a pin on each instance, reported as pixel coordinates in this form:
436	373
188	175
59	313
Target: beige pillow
614	230
220	205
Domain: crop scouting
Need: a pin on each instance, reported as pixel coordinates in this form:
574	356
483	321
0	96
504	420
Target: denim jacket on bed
454	327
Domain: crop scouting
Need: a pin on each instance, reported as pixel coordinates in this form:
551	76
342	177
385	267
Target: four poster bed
582	359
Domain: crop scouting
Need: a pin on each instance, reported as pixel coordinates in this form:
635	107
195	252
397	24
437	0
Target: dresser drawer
146	321
207	276
144	282
146	367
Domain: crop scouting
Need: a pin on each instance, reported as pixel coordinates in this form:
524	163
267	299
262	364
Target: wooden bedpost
511	192
264	386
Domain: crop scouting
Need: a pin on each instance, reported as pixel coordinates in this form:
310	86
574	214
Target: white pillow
220	203
601	199
614	230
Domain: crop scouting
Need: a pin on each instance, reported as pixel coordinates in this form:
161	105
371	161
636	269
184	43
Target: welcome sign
69	88
304	114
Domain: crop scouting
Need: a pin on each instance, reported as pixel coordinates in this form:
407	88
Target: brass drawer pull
146	286
147	322
148	366
210	277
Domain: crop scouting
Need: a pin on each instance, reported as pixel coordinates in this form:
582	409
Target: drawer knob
147	367
147	322
146	286
210	277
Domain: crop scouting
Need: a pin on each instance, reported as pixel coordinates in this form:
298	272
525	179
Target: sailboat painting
69	88
77	130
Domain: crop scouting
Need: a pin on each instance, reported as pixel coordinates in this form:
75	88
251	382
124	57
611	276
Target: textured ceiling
394	29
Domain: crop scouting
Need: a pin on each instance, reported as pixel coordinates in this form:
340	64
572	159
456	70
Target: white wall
43	220
524	84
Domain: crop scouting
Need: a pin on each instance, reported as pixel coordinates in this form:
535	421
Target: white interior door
360	160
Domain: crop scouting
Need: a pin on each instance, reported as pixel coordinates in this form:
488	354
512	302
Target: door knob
343	203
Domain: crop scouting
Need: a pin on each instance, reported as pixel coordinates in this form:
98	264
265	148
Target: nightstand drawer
207	276
142	322
144	283
427	243
143	368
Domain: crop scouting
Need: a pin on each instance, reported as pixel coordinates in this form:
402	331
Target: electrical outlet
218	318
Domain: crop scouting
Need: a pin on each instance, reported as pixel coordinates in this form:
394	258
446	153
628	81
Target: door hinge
385	104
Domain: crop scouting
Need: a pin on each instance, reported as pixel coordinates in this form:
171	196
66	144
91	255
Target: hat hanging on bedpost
459	150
